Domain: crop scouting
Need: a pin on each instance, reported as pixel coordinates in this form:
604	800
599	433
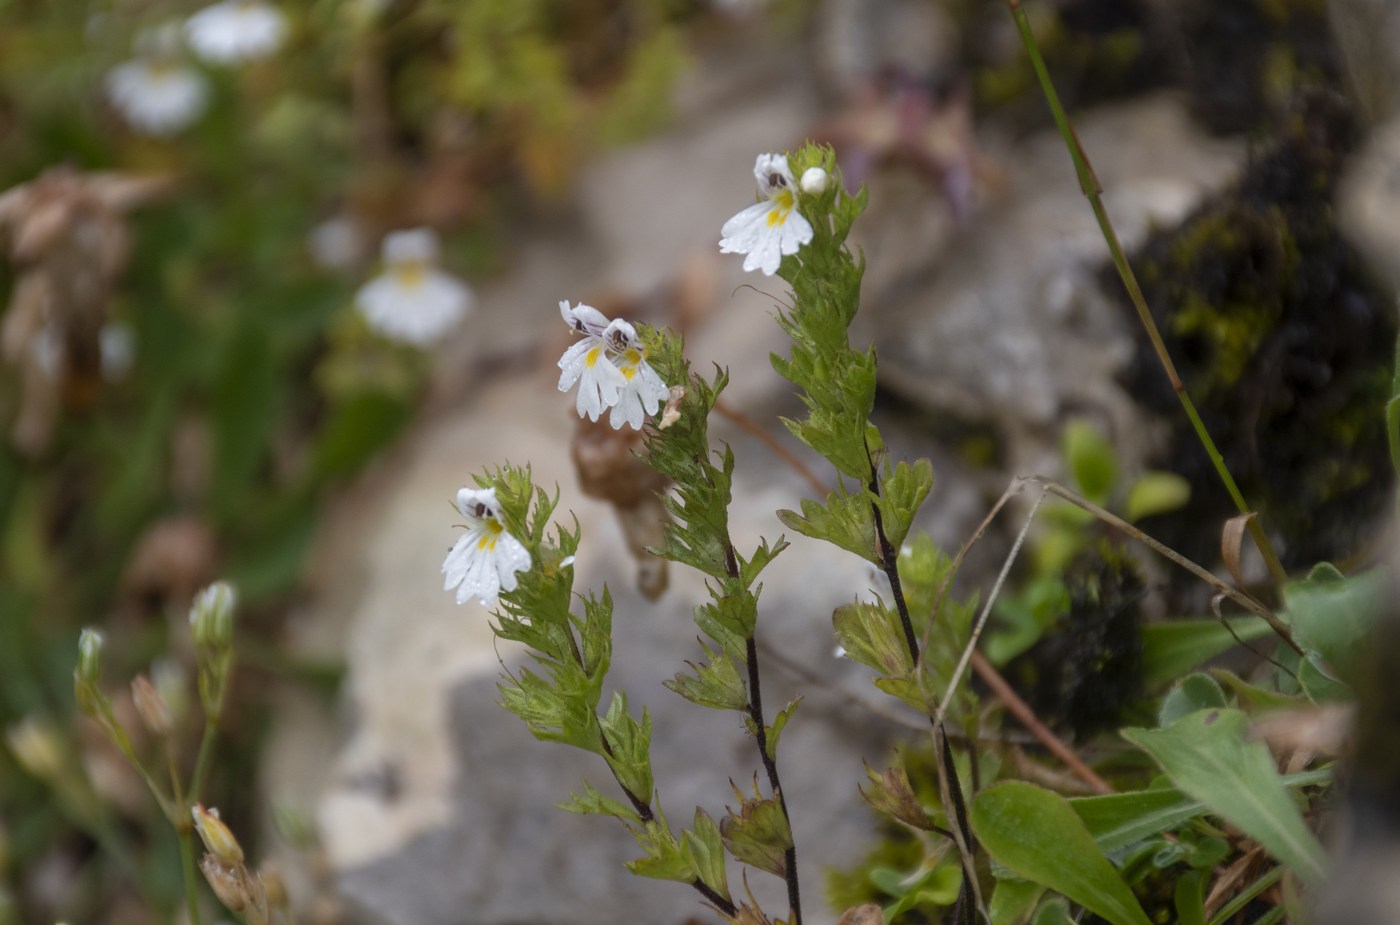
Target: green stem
187	865
184	830
1089	184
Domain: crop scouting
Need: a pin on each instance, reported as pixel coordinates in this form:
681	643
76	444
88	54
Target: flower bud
211	615
274	886
172	687
226	880
814	181
151	706
89	670
217	837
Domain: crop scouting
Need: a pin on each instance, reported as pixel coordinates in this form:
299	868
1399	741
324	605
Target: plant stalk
1089	185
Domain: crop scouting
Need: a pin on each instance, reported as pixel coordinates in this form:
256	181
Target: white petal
584	318
419	244
511	557
744	229
571	363
236	30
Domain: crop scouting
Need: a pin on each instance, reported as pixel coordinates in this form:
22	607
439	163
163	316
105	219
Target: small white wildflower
771	229
566	561
483	562
157	96
411	300
814	181
644	391
611	368
234	31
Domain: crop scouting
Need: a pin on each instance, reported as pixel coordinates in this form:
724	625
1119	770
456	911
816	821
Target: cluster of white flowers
411	300
159	93
610	368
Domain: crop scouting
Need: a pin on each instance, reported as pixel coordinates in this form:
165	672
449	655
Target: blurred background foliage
249	388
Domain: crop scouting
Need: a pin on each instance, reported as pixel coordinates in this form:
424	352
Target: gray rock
1368	201
1007	326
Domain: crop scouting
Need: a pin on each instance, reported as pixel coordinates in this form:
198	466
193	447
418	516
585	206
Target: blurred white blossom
157	96
411	300
234	31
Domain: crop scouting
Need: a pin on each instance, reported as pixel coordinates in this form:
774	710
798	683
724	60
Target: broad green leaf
1091	460
1013	901
1173	648
1253	697
1037	834
1334	614
1194	692
1156	493
1120	819
938	886
1054	912
1206	756
1189	899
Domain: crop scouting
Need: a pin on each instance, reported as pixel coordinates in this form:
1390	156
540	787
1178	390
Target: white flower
644	391
611	368
157	96
769	230
233	31
411	300
589	361
483	562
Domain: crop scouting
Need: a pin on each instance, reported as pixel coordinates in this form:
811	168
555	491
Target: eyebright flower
769	230
611	368
234	31
411	300
485	559
157	96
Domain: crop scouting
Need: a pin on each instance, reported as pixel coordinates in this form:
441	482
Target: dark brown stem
725	907
889	564
770	766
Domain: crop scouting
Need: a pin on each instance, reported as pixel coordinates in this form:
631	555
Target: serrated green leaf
629	747
1206	756
715	683
845	521
757	833
1156	493
1037	834
665	858
704	848
901	494
780	722
591	802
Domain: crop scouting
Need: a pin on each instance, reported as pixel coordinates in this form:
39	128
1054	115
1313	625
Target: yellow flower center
631	360
410	273
784	201
490	536
590	359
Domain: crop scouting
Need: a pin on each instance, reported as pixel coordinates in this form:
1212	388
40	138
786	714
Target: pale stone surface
1008	326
